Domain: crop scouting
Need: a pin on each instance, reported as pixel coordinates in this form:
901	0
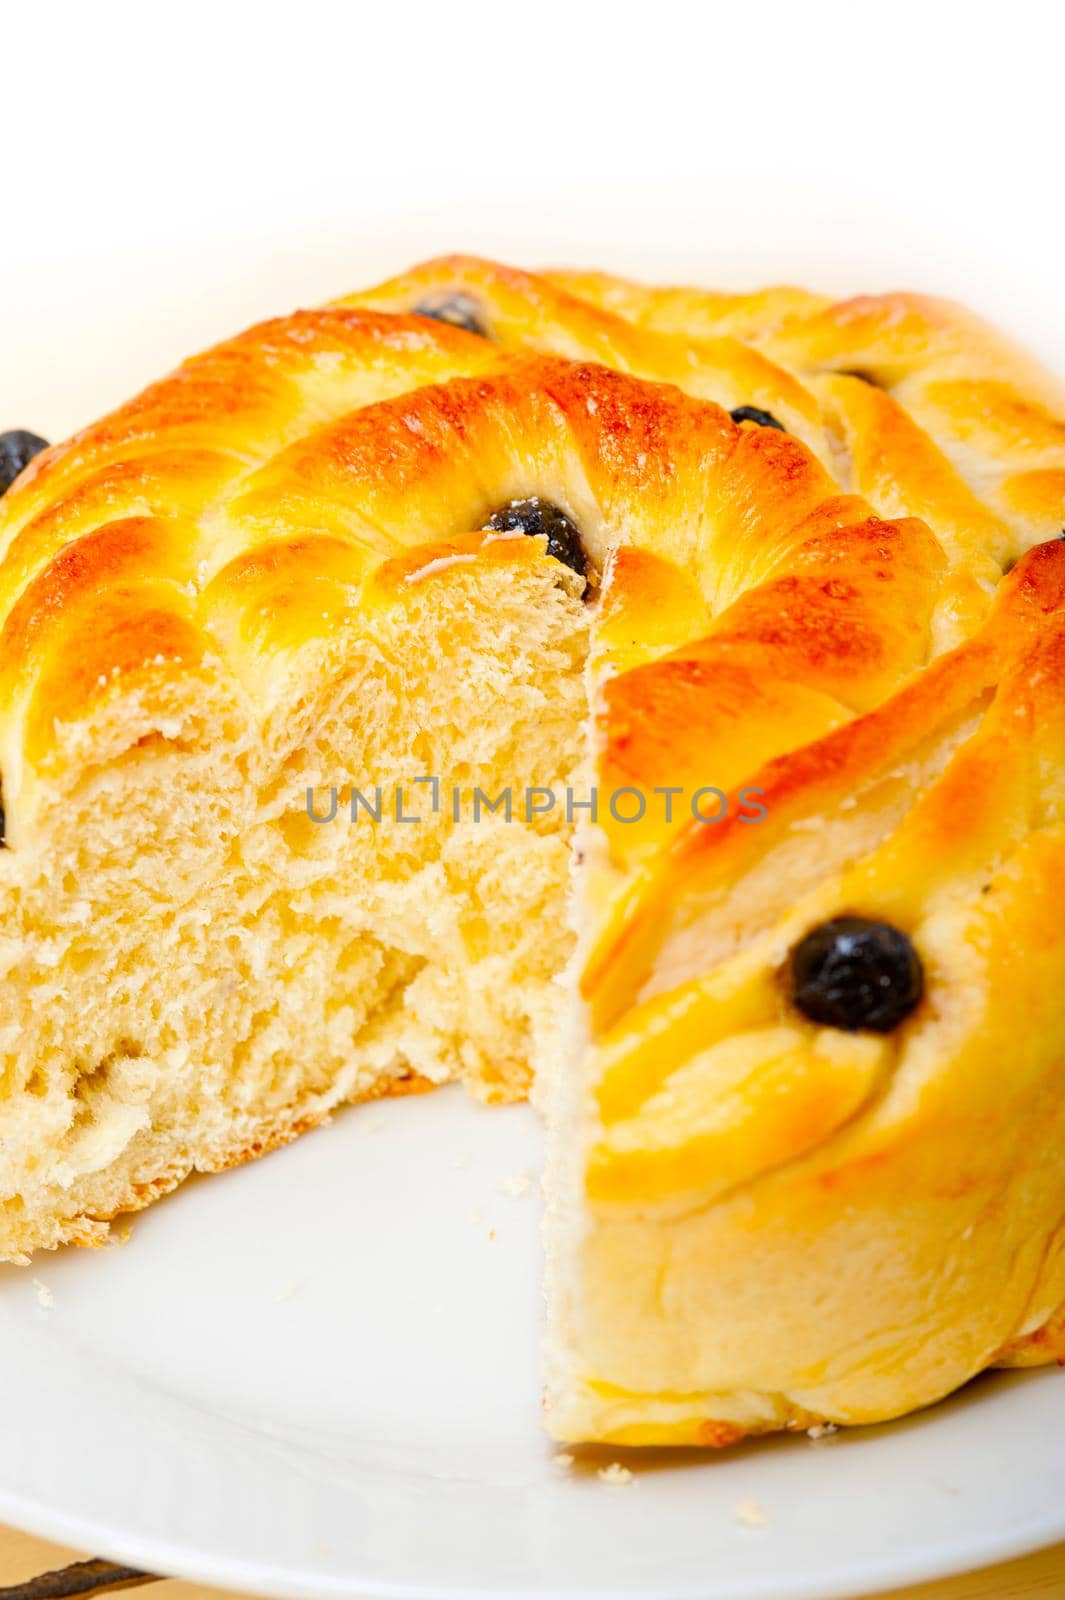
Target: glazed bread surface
282	574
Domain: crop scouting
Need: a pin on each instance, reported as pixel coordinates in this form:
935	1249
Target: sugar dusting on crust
503	533
440	564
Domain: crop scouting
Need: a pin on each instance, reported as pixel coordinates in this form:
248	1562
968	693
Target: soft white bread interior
200	965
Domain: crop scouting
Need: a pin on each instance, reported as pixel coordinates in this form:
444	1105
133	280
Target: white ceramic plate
318	1376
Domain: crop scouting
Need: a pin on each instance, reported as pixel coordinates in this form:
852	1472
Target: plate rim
31	1515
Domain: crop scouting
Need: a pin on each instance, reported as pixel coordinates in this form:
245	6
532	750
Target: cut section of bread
652	697
759	1221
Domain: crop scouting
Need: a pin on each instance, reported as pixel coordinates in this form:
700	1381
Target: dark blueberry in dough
852	973
458	310
764	419
17	450
540	516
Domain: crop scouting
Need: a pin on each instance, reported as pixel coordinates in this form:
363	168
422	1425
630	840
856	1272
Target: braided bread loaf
804	1077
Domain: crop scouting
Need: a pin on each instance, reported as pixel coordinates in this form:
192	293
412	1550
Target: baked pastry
789	997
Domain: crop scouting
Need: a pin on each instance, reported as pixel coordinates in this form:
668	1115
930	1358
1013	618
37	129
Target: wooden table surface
1042	1576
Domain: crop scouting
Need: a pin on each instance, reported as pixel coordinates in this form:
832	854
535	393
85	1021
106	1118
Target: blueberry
457	310
853	973
538	516
764	419
17	450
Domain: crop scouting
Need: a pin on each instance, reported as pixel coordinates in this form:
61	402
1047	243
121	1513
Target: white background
171	173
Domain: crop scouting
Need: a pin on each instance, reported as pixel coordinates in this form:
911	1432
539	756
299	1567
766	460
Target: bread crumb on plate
751	1514
517	1184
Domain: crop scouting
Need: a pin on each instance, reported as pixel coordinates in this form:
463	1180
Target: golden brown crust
1036	1349
645	462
